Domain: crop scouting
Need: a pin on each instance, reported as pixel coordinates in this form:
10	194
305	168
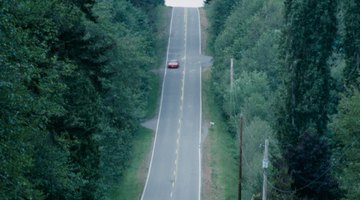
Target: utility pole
231	73
265	165
240	163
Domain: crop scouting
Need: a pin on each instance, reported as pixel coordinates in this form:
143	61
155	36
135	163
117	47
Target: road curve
175	166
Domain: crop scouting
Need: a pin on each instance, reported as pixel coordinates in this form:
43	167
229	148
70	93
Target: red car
173	64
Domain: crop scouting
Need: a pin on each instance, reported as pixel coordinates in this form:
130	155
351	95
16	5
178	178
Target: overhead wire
349	146
233	100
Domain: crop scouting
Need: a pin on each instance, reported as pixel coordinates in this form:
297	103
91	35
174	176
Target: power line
234	99
348	147
322	174
279	190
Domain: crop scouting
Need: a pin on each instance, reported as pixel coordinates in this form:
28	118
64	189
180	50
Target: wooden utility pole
231	73
240	163
265	165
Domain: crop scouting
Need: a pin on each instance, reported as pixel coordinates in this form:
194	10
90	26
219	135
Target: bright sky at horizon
184	3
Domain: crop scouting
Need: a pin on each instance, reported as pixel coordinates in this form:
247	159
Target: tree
73	87
352	42
346	134
310	27
250	34
219	10
31	93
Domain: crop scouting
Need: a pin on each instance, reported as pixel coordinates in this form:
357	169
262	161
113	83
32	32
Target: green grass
220	148
153	97
133	180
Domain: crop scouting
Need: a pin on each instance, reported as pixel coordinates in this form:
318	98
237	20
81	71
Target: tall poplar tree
310	27
352	42
345	125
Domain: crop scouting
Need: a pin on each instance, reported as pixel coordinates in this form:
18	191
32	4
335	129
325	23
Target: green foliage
221	152
74	86
254	137
308	37
279	182
31	93
310	29
306	65
346	128
252	42
218	12
250	34
147	4
52	172
351	19
249	96
132	180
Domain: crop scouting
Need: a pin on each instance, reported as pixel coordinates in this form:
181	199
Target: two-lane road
175	166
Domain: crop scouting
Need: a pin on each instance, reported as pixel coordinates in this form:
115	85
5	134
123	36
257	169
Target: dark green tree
347	136
31	94
73	88
352	42
218	12
310	27
147	3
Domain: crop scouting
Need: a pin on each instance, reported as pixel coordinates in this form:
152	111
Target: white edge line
200	126
199	31
161	101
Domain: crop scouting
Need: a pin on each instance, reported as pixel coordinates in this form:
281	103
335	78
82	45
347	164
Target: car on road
173	64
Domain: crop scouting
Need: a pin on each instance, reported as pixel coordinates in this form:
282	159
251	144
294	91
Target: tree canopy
293	61
74	86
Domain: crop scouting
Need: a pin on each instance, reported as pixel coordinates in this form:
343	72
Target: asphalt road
175	166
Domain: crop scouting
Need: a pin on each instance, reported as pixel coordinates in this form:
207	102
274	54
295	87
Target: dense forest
296	81
74	85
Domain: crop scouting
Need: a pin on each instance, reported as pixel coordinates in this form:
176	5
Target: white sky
184	3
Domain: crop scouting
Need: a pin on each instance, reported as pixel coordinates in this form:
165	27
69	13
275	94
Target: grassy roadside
219	151
133	180
219	163
204	26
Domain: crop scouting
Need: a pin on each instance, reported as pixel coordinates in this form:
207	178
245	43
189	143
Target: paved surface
175	167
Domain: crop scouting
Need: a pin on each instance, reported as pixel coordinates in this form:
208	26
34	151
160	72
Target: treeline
296	81
74	84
